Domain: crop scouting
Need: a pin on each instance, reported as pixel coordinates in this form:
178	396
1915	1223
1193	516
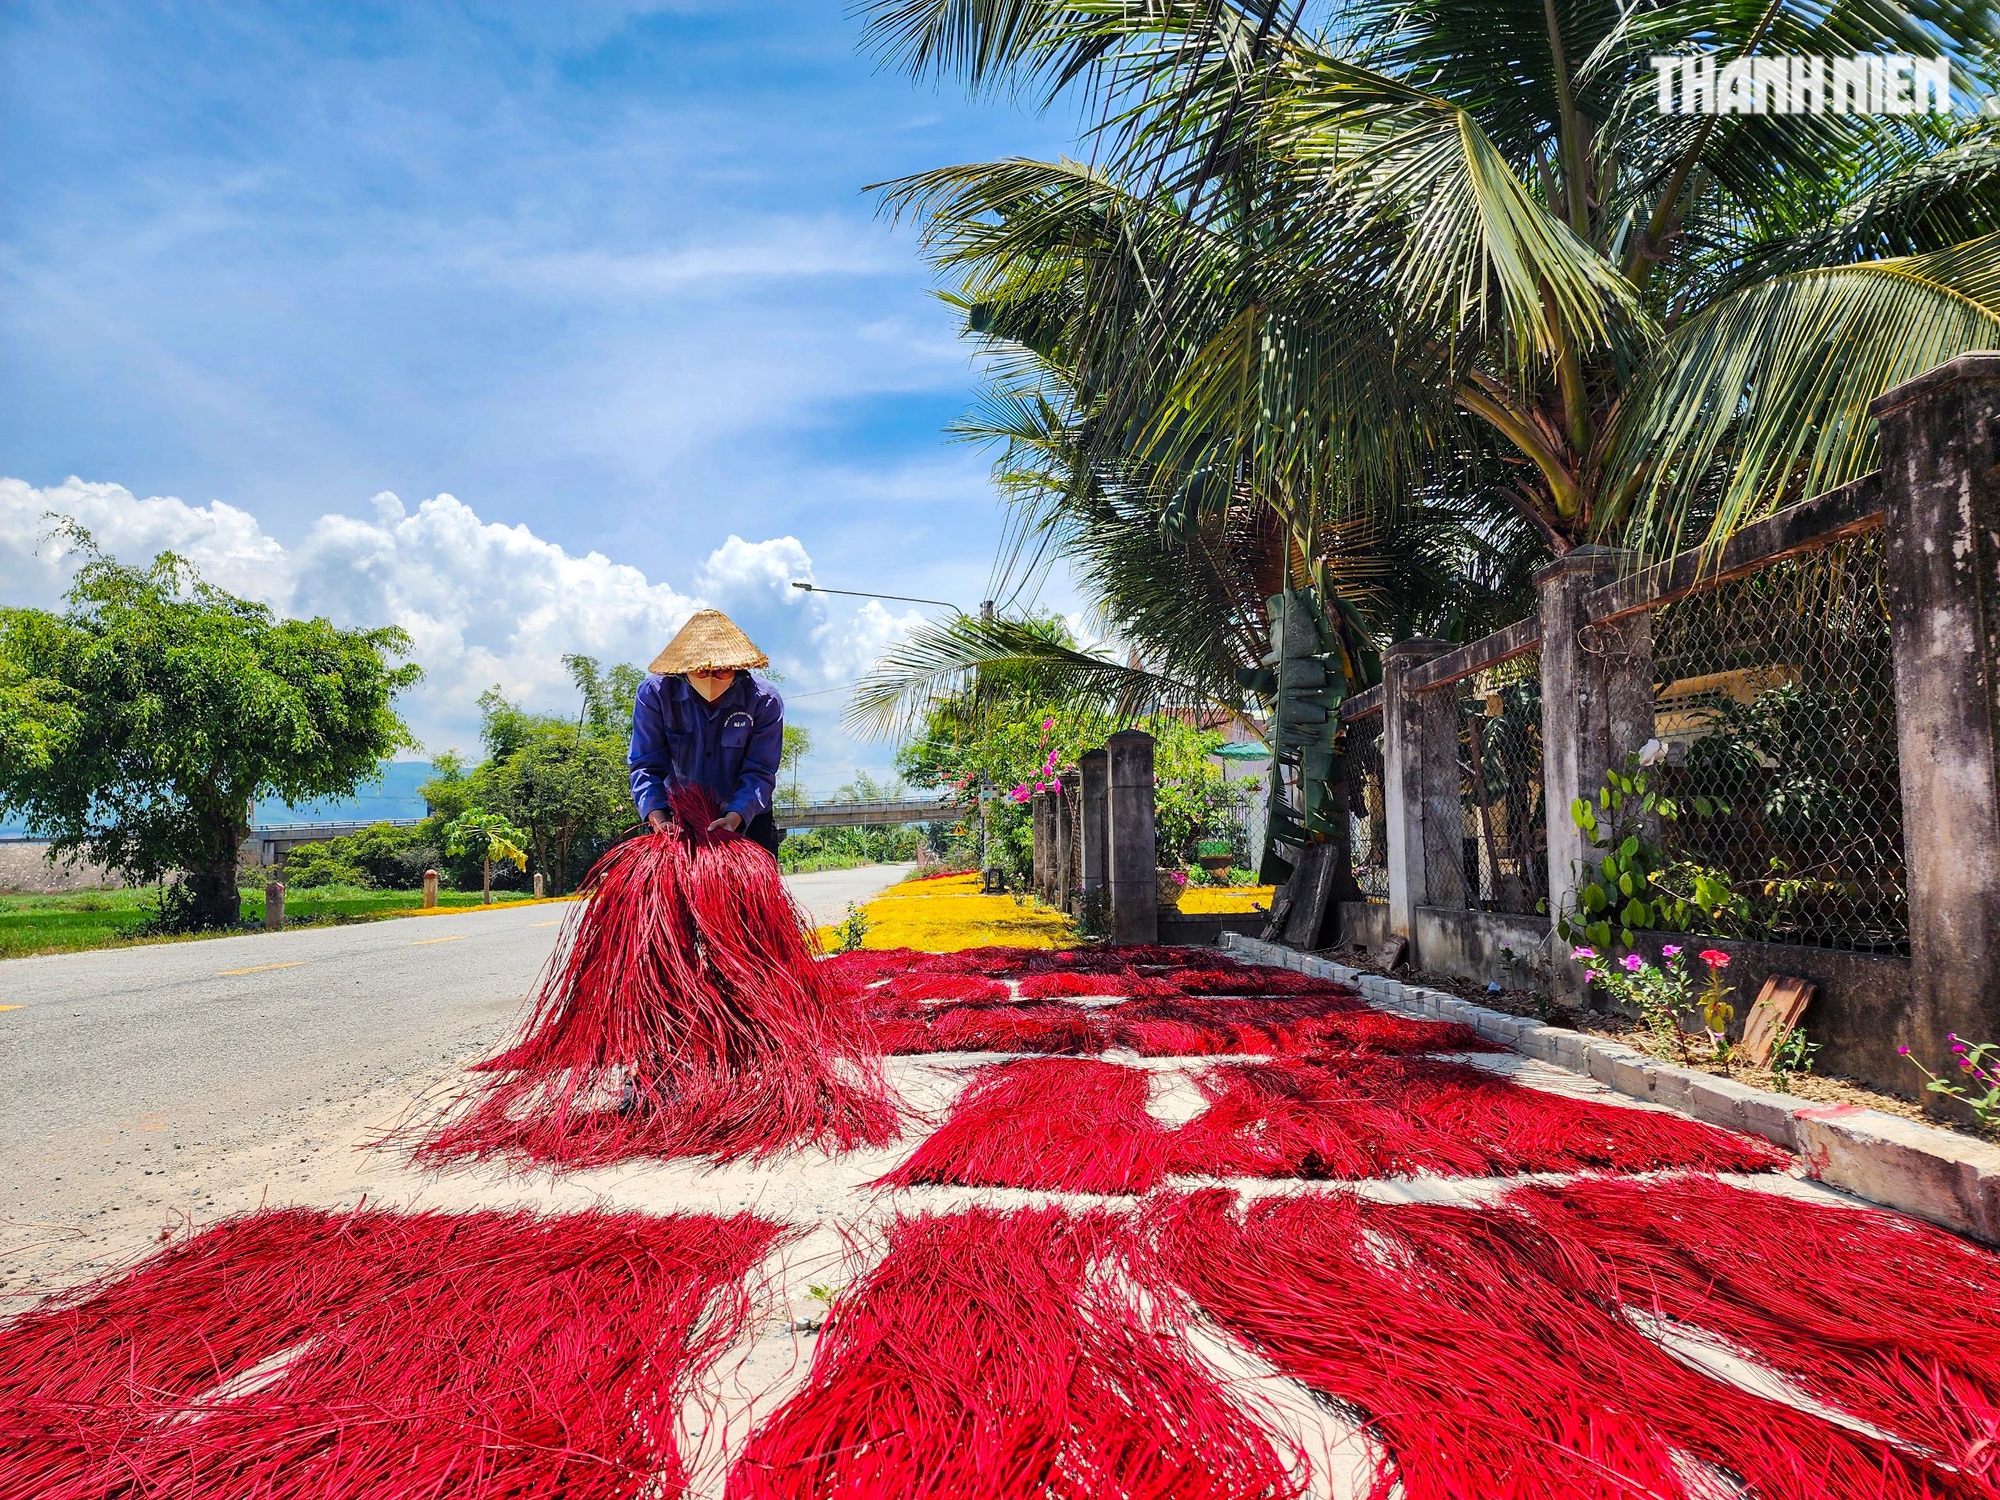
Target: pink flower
1047	725
1020	794
1593	975
1633	963
1715	958
1671	950
1583	953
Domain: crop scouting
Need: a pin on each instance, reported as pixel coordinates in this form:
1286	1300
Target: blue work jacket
732	750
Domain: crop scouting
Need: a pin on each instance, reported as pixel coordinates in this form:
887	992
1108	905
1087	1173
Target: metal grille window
1368	808
1490	852
1775	695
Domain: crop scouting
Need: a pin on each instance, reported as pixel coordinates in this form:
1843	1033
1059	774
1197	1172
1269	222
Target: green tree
486	837
564	788
608	697
798	745
140	724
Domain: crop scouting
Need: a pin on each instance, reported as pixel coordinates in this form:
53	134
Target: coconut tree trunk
486	883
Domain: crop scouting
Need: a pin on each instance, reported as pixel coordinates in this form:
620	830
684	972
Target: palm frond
1763	398
965	661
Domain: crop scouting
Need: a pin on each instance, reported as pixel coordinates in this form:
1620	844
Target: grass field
76	920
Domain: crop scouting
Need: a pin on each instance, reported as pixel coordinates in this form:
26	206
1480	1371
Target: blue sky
601	276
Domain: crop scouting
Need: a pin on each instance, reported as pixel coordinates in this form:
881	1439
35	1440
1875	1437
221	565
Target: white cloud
483	603
854	645
763	572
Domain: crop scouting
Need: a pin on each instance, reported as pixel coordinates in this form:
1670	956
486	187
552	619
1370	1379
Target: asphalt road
112	1061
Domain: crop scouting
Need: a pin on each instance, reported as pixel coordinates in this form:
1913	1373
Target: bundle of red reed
1277	1025
1256	979
936	988
685	1014
1178	1026
866	965
1479	1376
1058	1124
1361	1116
370	1354
995	962
991	1356
1072	983
1887	1319
1043	1028
1167	955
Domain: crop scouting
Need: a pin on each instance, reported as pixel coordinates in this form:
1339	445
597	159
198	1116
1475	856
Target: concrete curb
1936	1175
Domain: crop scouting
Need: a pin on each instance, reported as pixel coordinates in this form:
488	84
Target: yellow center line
13	1007
260	968
545	924
457	937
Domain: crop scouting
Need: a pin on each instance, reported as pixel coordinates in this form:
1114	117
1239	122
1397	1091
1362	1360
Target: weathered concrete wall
1487	947
1364	924
1597	708
1403	786
1205	929
25	867
1941	487
1856	1016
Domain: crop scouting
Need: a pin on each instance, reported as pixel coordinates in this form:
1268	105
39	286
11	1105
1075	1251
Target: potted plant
1214	856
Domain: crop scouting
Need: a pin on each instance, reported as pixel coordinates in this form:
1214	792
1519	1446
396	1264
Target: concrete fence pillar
1597	708
1407	770
1042	826
1066	808
430	888
1094	772
274	905
1940	437
1131	845
541	885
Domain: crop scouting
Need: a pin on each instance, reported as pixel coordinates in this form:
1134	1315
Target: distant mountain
394	796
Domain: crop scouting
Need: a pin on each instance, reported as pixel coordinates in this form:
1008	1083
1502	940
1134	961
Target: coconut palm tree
1338	257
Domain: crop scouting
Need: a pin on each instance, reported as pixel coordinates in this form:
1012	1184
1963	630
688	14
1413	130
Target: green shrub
381	856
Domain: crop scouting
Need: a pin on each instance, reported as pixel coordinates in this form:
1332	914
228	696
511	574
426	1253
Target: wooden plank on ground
1312	888
1779	1005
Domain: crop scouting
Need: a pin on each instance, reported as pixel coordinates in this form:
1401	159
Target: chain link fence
1775	697
1493	856
1367	806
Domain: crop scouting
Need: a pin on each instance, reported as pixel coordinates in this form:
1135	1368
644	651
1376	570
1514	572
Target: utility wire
815	588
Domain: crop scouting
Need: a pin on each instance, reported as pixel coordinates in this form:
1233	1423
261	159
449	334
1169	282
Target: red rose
1715	958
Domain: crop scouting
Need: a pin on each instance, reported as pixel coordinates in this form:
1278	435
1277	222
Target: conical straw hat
708	642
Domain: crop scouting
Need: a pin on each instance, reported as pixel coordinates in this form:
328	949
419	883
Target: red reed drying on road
1477	1375
1062	984
1889	1320
935	988
1278	1025
1359	1117
990	1356
864	966
1061	1124
298	1354
1182	1026
686	978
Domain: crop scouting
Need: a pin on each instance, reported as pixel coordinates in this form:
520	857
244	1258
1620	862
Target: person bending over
702	719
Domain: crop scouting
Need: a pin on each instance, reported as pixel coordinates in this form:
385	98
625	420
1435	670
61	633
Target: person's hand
658	819
729	820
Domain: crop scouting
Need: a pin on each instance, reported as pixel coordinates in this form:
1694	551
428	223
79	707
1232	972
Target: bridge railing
861	814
